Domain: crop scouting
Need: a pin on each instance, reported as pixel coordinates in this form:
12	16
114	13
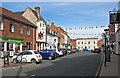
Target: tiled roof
15	16
20	13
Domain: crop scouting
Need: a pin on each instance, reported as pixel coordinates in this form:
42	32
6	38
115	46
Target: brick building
63	38
73	43
17	32
34	16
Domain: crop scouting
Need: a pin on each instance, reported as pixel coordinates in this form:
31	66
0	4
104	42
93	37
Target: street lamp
104	48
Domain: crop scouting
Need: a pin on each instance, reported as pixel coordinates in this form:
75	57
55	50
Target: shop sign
16	41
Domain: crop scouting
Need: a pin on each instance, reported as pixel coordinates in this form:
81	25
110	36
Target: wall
90	46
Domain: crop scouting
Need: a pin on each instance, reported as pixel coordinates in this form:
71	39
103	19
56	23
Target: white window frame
21	29
1	25
12	27
28	31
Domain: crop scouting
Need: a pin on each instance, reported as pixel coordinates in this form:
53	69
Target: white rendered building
89	43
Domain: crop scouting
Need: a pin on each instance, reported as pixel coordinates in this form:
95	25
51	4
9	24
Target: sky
70	14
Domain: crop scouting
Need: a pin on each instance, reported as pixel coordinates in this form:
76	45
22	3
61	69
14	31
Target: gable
28	14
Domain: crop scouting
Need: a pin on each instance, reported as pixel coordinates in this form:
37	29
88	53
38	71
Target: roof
20	13
9	14
34	12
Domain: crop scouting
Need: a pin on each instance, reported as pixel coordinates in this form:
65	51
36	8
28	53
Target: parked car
60	53
30	56
85	49
97	50
69	51
64	51
76	50
72	50
48	54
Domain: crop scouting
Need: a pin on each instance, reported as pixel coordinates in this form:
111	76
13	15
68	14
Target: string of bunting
84	34
84	28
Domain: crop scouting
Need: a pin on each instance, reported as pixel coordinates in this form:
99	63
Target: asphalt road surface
77	64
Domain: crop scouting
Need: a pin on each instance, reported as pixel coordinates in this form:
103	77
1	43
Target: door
28	56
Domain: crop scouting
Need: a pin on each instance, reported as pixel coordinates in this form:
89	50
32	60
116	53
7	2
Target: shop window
1	46
11	27
17	47
10	46
1	25
21	29
28	46
28	31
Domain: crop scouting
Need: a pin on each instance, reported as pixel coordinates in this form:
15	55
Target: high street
77	64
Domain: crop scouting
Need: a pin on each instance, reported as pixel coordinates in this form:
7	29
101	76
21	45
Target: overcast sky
70	14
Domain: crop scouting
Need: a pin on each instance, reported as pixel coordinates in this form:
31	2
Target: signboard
113	18
11	53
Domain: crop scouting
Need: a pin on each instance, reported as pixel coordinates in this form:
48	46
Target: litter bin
6	58
108	53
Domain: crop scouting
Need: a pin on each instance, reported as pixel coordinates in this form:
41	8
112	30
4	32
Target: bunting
84	28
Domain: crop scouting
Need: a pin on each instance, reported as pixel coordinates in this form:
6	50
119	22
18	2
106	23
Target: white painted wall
51	41
65	39
41	28
90	46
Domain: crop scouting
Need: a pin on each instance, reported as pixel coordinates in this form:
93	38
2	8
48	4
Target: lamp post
105	49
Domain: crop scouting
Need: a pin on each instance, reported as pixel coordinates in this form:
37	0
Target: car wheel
50	58
23	61
33	61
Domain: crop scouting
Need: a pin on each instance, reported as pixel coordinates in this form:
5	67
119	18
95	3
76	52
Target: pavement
111	69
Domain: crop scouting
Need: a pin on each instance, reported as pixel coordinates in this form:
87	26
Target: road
77	64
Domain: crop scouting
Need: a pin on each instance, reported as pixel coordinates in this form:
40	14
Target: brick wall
16	34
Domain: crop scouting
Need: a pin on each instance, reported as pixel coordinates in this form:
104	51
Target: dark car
48	54
85	49
97	50
76	50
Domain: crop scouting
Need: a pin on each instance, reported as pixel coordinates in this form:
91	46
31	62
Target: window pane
36	52
21	29
28	31
1	25
11	27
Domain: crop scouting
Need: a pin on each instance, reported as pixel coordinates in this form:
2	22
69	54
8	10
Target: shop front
10	44
117	49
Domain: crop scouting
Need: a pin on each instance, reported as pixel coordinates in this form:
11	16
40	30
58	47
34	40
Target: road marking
99	68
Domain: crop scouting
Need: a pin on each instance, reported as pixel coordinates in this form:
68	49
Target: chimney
37	9
52	24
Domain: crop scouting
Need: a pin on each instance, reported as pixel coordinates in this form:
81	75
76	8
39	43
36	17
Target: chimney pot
52	23
37	9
